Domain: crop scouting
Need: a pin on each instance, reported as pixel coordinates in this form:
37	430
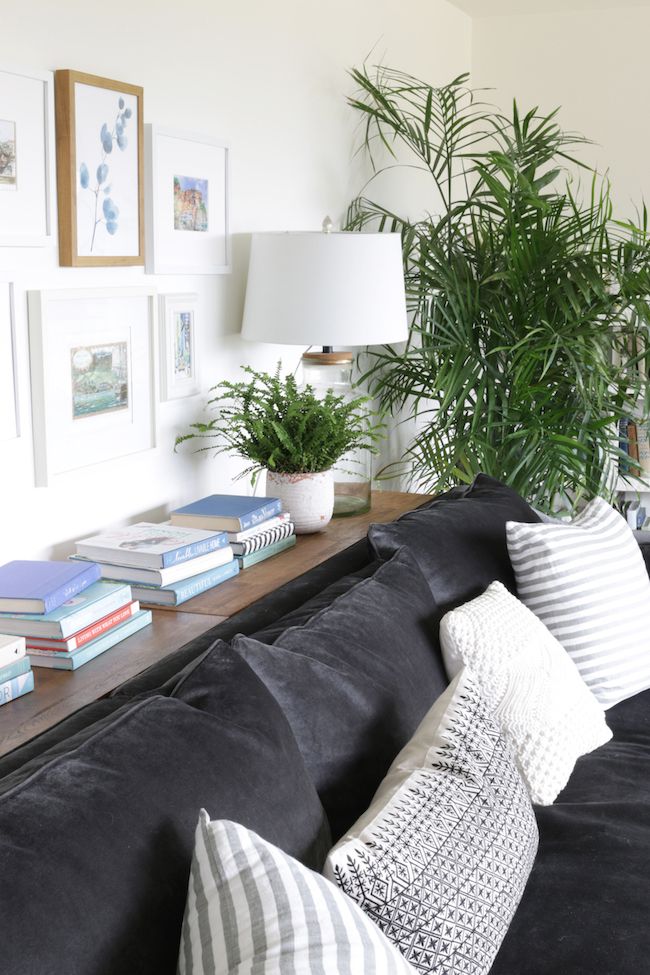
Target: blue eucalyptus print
108	212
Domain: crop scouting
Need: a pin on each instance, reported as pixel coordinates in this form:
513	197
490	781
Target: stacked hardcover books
256	528
16	675
163	564
63	613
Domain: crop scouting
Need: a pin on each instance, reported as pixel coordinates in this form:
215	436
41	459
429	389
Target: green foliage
529	304
276	425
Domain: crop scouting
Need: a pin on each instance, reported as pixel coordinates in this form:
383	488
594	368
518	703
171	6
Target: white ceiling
491	8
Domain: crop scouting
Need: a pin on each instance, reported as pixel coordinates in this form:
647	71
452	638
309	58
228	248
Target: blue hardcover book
15	669
75	614
150	546
16	687
71	660
226	512
40	587
180	592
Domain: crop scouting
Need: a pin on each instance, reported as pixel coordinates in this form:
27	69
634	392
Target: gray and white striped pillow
251	907
588	583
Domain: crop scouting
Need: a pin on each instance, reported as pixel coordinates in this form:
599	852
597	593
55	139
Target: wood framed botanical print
186	203
93	386
100	177
179	366
26	157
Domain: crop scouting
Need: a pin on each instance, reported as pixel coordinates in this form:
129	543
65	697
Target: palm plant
529	303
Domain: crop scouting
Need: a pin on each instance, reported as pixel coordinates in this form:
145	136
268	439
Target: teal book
245	561
16	687
180	592
71	660
79	611
19	666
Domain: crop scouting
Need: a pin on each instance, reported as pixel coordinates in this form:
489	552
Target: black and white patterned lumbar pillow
253	908
440	859
588	583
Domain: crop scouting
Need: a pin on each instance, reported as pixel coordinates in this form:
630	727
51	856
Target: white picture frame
179	361
9	411
92	377
26	134
186	203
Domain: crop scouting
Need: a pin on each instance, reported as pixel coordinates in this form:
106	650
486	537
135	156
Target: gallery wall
270	80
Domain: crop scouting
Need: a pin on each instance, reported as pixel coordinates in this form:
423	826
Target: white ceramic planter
309	498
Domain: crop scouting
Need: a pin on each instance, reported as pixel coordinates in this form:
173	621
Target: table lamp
329	289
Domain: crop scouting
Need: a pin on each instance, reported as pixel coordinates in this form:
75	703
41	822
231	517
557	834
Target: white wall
271	79
592	63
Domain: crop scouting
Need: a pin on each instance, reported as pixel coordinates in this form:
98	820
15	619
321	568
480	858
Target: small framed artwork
26	164
9	429
178	353
186	203
100	175
93	387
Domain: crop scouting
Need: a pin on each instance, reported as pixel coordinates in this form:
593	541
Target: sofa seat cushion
355	681
459	539
585	908
96	844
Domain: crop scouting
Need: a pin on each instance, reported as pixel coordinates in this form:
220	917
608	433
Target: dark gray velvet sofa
97	816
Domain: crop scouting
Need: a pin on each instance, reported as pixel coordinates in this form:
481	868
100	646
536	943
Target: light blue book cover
16	687
34	586
63	660
86	607
14	669
180	592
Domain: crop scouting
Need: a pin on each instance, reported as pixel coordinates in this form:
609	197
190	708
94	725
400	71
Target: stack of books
163	564
256	528
64	613
16	674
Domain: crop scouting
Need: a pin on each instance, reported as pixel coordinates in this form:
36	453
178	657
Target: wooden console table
59	693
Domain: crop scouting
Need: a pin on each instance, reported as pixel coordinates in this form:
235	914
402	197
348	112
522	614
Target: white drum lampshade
325	289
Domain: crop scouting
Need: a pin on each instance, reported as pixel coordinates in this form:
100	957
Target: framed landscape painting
91	357
179	365
100	174
26	158
186	203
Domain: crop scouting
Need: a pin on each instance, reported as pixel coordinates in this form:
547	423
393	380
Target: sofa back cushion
459	539
355	681
96	844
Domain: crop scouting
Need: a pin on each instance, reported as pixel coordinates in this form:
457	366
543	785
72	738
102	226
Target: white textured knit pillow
588	583
546	711
253	908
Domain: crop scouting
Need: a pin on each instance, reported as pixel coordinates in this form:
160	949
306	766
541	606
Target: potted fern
292	434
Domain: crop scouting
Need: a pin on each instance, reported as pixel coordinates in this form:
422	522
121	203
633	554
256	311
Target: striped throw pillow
588	583
253	908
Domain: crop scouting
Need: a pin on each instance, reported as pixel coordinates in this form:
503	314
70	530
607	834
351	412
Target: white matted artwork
186	203
9	428
93	387
26	153
178	346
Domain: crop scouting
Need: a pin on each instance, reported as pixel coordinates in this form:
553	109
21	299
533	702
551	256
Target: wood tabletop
310	550
60	693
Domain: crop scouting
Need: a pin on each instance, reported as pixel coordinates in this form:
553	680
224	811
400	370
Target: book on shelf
86	635
164	577
11	648
16	687
40	587
20	666
262	538
180	592
149	546
85	608
280	519
246	561
61	660
226	512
